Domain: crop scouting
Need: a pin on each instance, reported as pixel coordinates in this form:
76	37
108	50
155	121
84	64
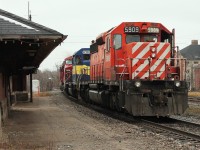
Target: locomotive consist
133	67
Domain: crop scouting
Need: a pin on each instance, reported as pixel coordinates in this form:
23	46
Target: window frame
120	42
108	44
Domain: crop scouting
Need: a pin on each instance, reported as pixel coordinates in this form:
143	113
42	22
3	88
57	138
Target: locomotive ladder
124	71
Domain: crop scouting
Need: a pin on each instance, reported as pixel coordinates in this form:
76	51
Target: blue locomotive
80	71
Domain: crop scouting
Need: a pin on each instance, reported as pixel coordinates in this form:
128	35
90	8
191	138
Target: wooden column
31	90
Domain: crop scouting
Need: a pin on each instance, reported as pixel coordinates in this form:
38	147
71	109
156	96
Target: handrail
122	73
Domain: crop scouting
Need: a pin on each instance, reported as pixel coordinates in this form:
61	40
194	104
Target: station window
132	38
117	42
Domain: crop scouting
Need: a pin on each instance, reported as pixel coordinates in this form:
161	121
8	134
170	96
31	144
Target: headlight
153	49
153	55
137	83
177	83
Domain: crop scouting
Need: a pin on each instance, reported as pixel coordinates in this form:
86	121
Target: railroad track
169	130
194	99
183	136
166	127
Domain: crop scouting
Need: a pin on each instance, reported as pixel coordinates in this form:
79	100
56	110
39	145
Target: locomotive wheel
116	102
117	105
112	104
66	89
74	93
112	101
87	98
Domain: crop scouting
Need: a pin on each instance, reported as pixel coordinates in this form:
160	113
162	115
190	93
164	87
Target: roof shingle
191	52
13	24
25	44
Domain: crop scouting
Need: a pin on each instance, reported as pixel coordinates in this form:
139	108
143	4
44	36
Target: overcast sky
83	20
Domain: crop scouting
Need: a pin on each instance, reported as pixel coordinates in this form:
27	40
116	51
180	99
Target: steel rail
172	130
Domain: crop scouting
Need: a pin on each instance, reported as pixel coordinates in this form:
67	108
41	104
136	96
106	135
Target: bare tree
49	80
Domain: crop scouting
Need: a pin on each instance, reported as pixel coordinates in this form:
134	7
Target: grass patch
25	146
42	94
194	94
193	110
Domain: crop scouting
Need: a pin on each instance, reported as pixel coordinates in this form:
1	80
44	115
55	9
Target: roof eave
17	37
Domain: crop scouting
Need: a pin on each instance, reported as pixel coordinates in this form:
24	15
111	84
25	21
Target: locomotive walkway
54	122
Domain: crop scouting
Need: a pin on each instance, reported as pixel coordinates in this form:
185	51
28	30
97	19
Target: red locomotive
135	67
65	72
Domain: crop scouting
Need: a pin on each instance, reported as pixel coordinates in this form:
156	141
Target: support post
31	90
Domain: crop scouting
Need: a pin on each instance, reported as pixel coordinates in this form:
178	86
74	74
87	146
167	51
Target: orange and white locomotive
135	66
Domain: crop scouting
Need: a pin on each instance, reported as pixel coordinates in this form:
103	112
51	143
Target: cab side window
165	37
117	42
78	60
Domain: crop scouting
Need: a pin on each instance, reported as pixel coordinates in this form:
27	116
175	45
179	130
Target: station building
192	54
23	46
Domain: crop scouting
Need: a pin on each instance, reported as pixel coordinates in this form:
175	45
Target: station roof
191	52
25	44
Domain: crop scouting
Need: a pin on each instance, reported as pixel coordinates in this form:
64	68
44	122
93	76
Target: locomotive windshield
77	60
150	38
143	38
68	62
86	57
132	38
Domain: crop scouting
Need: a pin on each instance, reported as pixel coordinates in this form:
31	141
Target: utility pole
29	13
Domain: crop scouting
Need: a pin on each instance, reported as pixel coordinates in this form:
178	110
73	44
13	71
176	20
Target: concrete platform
56	123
